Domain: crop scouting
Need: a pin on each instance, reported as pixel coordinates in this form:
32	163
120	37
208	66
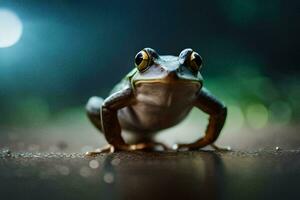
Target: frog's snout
172	74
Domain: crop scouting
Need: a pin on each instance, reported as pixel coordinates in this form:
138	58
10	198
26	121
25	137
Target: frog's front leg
108	122
217	115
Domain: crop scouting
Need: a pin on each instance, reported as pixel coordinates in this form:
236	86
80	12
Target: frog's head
154	68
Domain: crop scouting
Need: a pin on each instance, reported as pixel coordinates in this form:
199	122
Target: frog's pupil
139	58
198	60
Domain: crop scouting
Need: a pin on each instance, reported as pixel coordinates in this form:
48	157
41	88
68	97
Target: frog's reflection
139	175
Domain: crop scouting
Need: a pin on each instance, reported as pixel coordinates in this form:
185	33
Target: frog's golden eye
195	61
142	60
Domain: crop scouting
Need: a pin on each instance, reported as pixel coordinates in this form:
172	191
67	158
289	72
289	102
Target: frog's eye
195	61
142	60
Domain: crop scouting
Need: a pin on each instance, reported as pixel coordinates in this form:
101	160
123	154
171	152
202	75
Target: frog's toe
107	149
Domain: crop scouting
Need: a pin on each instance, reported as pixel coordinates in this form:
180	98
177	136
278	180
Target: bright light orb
11	28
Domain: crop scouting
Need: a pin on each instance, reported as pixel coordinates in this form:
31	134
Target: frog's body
166	101
156	95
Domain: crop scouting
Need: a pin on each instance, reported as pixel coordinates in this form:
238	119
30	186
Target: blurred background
55	54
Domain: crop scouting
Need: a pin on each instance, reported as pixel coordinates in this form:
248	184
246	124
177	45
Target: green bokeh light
257	115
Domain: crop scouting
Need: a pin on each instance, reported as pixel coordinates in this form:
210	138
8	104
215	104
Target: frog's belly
150	119
158	106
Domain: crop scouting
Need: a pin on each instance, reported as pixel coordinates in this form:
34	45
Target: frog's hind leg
93	109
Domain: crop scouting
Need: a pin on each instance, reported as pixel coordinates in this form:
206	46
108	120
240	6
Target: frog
158	93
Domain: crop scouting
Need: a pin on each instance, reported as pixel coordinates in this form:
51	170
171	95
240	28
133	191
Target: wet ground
265	174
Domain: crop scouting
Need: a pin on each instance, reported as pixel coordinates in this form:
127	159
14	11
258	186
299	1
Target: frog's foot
106	149
221	149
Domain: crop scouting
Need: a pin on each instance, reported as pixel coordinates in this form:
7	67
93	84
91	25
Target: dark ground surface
265	174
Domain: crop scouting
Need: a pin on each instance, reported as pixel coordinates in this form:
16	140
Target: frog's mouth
165	81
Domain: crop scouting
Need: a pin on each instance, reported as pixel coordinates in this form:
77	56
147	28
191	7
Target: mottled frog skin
157	94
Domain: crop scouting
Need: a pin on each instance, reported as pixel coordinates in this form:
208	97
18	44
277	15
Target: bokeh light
281	112
11	28
257	115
